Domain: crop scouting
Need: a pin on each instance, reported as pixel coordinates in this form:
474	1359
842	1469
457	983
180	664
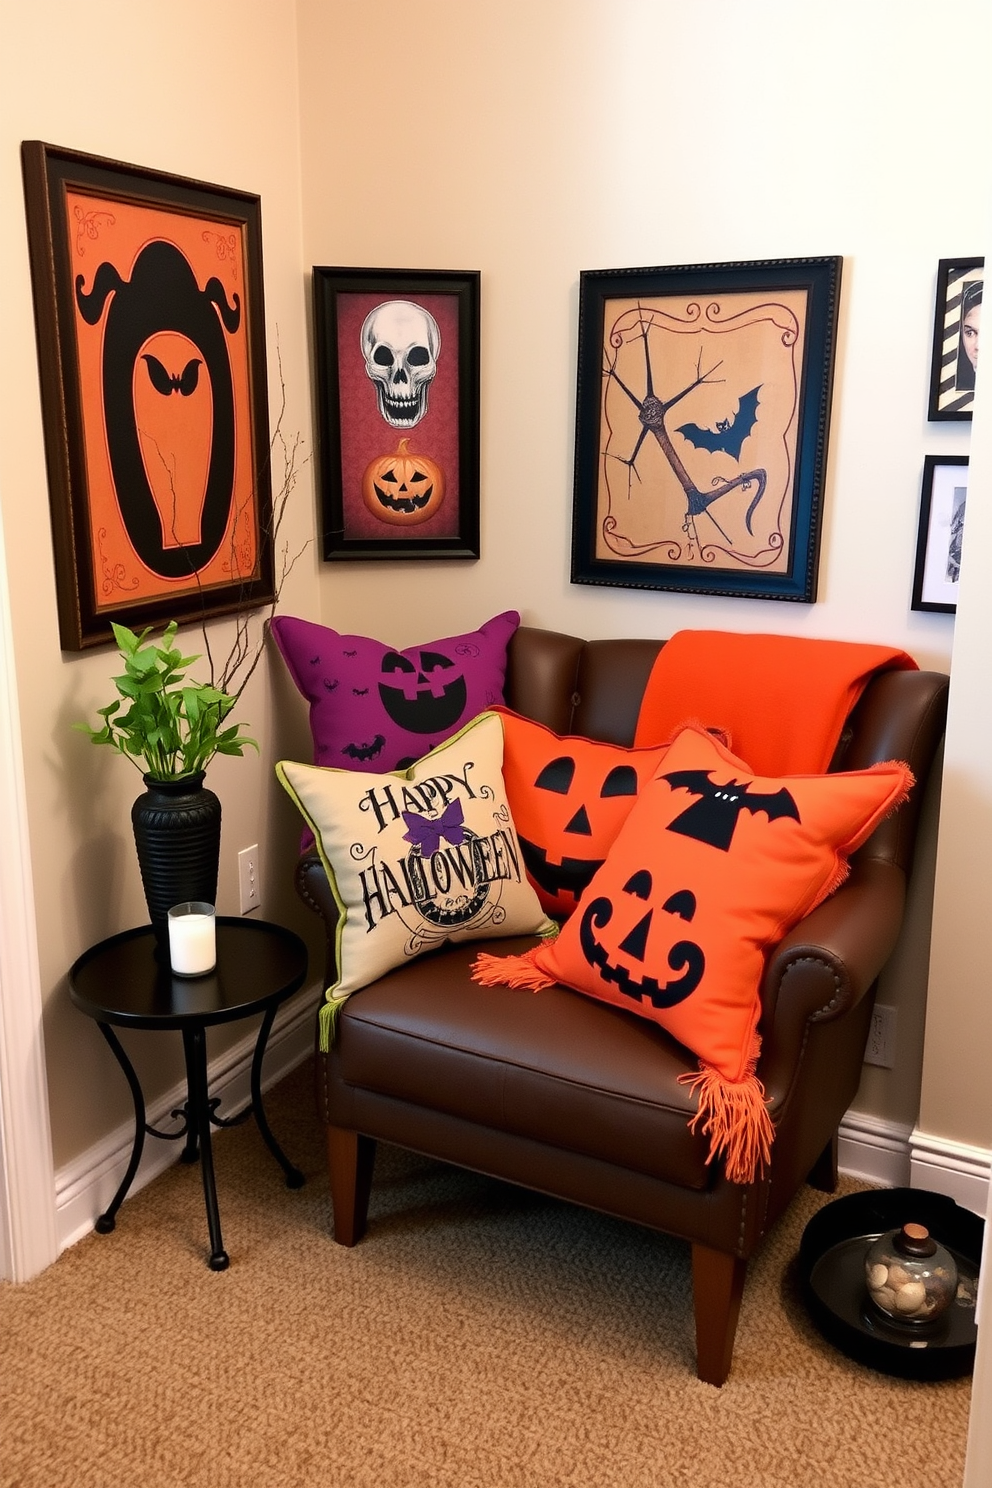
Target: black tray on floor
831	1267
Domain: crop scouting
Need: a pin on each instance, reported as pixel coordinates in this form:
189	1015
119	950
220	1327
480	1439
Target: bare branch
233	674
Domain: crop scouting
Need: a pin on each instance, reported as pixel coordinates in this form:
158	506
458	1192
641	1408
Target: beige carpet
479	1336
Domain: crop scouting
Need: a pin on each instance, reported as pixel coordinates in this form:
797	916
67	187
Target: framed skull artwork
151	352
397	364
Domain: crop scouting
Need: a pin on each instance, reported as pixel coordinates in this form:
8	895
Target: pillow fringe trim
734	1115
327	1022
511	971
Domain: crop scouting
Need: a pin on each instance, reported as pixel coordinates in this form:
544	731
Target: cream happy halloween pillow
420	856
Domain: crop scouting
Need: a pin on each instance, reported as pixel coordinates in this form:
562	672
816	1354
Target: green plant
174	727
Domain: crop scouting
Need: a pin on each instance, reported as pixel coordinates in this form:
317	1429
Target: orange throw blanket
782	700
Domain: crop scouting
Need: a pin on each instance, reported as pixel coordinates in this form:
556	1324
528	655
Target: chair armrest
314	889
826	964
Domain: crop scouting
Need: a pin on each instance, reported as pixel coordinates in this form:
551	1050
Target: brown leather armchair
574	1098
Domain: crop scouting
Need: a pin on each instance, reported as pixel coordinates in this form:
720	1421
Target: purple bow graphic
427	834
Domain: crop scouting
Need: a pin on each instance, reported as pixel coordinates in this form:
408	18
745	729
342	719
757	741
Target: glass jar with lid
910	1277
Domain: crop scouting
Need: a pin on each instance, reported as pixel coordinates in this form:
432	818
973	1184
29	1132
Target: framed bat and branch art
701	433
150	324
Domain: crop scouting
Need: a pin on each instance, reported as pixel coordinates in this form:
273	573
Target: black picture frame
644	509
938	539
952	374
367	509
134	268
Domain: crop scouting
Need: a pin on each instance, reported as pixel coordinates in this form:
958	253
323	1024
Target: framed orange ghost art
150	325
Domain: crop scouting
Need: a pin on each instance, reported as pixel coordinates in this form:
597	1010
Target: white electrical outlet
881	1047
248	878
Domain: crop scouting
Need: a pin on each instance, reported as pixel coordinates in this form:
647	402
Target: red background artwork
365	434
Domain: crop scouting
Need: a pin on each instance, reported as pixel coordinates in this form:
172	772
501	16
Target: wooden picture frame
703	412
397	381
938	539
954	360
151	347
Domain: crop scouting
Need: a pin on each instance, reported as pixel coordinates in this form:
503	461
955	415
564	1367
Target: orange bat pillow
569	797
711	868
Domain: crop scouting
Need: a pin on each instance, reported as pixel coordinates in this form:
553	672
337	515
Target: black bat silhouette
729	434
366	751
713	818
165	382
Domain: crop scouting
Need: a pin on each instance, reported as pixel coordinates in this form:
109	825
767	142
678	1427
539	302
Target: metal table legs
199	1114
106	1221
198	1122
294	1178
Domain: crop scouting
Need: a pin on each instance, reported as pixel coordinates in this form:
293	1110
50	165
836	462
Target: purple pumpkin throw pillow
376	709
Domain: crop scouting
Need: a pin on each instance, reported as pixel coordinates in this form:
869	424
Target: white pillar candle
192	939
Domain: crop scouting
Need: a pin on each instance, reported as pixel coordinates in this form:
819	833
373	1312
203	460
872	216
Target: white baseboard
898	1156
85	1187
875	1150
951	1168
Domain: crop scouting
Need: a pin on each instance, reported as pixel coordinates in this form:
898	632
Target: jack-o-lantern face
676	925
569	799
424	699
619	957
563	864
403	488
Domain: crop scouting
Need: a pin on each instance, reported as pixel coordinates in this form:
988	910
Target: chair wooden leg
717	1287
823	1174
350	1158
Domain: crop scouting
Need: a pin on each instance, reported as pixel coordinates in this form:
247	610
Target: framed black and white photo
957	315
938	542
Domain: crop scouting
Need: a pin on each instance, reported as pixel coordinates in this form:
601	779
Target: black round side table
127	981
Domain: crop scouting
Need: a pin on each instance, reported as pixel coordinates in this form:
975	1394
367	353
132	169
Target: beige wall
529	141
957	1091
209	91
586	134
533	141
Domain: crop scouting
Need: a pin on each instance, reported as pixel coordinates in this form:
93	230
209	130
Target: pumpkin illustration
569	798
403	488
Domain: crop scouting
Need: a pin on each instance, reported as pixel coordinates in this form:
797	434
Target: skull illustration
401	343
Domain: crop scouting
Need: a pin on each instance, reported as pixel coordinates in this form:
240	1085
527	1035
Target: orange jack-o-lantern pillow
569	797
711	868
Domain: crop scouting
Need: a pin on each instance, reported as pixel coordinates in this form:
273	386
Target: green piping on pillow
415	858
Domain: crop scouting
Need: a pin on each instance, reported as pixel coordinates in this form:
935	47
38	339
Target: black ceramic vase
177	834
